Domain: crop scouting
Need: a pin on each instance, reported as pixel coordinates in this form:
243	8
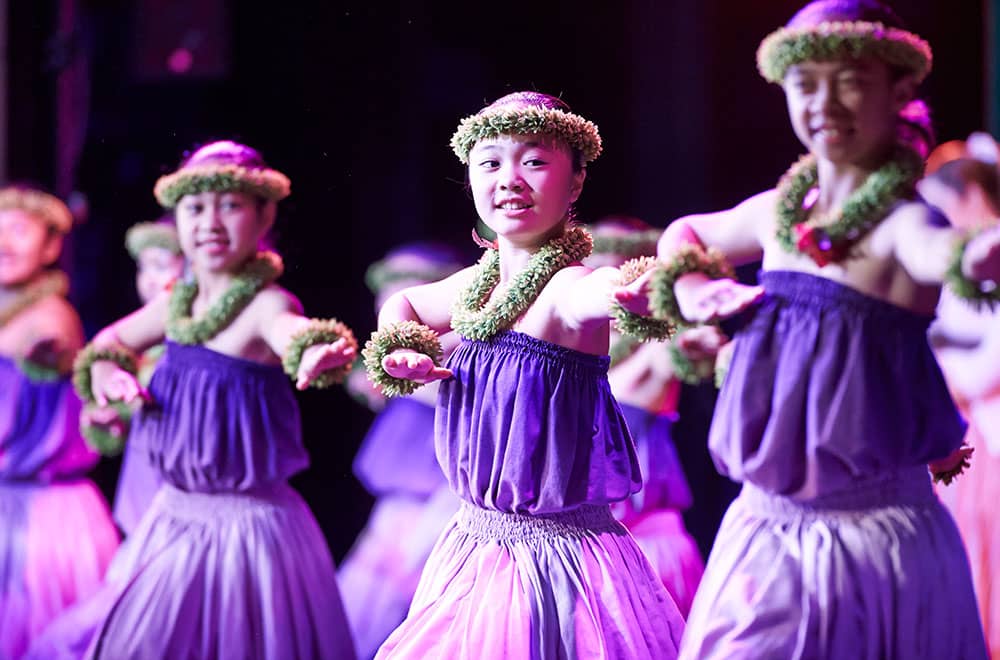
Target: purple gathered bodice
397	454
39	429
527	426
219	423
829	386
664	483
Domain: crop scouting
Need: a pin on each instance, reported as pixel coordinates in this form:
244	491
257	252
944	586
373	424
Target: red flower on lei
817	244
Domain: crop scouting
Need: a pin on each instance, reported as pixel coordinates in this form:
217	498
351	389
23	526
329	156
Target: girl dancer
396	463
228	560
837	546
644	382
56	535
527	431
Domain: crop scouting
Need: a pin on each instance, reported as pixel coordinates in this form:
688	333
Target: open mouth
514	205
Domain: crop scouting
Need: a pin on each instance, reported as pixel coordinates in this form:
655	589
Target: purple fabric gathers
530	427
828	385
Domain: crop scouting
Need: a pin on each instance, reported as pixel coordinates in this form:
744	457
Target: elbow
677	233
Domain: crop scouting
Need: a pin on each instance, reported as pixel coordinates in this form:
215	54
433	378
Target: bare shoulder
54	317
274	300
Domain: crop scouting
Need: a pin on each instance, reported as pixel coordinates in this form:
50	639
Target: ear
903	91
52	248
268	212
576	185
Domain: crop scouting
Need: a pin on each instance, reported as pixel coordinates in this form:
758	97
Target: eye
489	164
534	161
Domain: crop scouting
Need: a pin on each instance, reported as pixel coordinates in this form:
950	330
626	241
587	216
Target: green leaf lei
642	328
404	334
52	283
689	258
88	356
318	331
102	440
978	294
257	274
864	209
838	39
475	318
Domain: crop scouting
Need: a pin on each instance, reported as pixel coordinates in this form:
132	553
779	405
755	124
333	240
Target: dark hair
538	100
913	123
821	11
960	173
225	152
624	222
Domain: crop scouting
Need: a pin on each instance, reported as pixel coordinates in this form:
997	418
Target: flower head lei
144	235
836	39
514	116
49	208
263	182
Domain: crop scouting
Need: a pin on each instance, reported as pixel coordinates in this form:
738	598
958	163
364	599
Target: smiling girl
56	534
833	404
534	565
228	560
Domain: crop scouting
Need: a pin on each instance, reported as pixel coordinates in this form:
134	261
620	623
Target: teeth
513	206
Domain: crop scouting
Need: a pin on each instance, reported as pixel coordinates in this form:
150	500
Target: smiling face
27	246
219	231
523	186
844	111
156	268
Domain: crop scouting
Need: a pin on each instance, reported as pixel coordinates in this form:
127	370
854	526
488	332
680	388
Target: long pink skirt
56	541
878	572
973	499
570	585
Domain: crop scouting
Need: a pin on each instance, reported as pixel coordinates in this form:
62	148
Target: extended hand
702	300
411	365
701	342
110	382
322	357
981	260
106	418
634	296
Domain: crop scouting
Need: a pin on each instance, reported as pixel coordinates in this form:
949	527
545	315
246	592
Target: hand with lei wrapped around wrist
974	270
106	427
102	374
402	356
320	354
630	304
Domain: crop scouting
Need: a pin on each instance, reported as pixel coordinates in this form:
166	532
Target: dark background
356	101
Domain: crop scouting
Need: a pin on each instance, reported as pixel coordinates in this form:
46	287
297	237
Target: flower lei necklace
257	274
864	209
475	318
52	283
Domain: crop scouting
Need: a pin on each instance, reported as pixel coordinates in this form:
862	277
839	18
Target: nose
825	100
510	178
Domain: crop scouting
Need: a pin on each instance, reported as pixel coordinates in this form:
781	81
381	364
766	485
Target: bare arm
429	304
587	300
735	232
974	372
139	330
922	248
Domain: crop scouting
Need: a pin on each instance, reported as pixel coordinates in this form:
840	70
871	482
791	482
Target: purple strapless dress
228	561
56	534
534	565
653	515
138	481
837	545
379	576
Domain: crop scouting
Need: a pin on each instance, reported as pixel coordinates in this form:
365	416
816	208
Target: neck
211	285
514	255
837	181
9	292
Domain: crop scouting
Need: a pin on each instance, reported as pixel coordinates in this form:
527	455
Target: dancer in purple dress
646	384
228	560
833	404
396	464
159	263
532	441
56	534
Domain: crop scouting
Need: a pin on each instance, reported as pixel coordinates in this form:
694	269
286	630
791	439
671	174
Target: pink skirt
876	572
222	575
972	498
56	540
671	551
570	585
